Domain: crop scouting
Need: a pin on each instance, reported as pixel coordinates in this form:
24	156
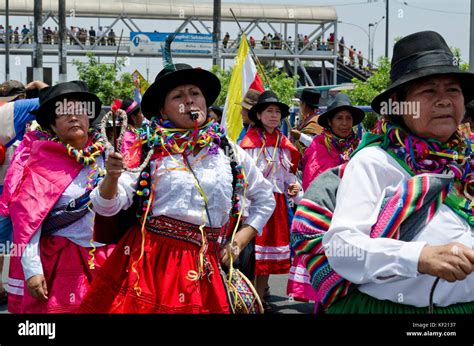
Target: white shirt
387	269
178	197
280	176
80	232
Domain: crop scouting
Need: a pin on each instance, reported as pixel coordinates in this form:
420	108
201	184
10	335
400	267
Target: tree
365	92
224	78
458	61
282	85
102	78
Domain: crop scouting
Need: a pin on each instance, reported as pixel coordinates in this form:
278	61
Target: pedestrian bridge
256	20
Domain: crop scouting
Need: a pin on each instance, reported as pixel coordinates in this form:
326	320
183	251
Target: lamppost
361	28
371	44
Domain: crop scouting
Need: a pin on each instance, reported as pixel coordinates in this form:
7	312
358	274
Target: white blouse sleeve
369	176
127	185
306	139
259	192
30	259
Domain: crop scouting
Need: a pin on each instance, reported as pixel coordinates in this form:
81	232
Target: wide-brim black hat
264	100
175	75
420	55
341	102
310	97
74	91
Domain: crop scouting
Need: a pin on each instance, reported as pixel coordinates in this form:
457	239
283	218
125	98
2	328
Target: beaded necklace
345	146
88	155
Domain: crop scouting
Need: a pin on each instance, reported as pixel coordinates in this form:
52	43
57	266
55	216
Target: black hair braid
229	151
142	197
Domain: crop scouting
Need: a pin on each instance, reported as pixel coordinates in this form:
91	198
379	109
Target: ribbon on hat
431	58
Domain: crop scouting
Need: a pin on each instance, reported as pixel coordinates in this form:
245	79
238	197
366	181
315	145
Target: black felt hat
73	91
310	97
264	100
174	75
420	55
341	102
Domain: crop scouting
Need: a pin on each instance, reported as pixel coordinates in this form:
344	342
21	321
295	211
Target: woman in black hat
216	113
277	159
331	148
135	119
337	142
53	175
416	167
185	193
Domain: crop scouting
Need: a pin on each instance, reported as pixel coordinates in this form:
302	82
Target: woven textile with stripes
401	216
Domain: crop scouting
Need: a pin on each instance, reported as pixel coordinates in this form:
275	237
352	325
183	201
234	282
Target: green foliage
102	79
463	66
365	92
282	85
224	77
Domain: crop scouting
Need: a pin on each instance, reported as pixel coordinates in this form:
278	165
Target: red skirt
162	279
272	248
67	273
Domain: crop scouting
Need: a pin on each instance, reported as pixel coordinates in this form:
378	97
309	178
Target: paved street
282	304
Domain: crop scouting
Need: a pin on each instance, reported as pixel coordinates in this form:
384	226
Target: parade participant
402	227
14	117
249	100
338	141
49	183
331	148
278	160
135	120
187	192
308	124
216	113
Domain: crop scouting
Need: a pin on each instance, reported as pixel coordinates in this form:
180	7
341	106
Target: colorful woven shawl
402	216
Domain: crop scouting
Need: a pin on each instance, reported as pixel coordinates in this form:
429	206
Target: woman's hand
296	134
241	240
451	262
114	166
37	287
228	250
293	189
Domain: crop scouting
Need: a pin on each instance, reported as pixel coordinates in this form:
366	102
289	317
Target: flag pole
255	57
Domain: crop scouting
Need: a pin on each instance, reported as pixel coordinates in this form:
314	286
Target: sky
450	18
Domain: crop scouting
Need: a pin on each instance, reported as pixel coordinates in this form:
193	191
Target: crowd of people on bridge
151	208
75	35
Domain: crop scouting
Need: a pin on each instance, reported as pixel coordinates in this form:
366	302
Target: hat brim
153	98
46	112
245	105
259	107
9	98
466	79
357	115
312	105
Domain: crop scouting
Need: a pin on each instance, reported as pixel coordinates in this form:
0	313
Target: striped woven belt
180	230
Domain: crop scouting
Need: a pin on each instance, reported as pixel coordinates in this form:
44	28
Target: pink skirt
67	273
299	282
